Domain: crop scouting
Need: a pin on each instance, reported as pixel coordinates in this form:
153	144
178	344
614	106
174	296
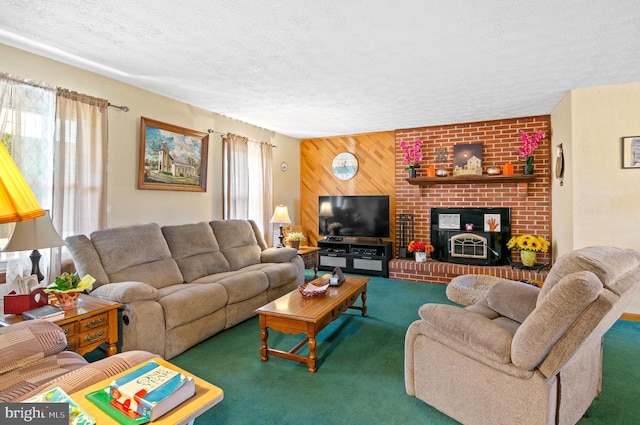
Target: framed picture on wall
631	152
172	157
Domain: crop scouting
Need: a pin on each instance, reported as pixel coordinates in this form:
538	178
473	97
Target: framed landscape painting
172	157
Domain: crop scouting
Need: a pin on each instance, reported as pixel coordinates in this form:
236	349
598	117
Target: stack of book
144	394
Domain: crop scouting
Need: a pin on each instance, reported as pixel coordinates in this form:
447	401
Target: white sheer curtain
27	116
80	172
58	139
248	181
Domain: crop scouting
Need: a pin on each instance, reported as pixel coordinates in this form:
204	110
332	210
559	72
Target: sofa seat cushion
237	241
195	249
243	285
279	274
19	382
137	253
185	303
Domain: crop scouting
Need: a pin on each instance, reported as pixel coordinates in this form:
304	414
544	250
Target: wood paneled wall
376	173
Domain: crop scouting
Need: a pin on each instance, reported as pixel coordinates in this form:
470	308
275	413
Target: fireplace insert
476	236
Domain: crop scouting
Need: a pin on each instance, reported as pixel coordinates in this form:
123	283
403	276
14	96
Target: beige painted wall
128	205
562	196
600	202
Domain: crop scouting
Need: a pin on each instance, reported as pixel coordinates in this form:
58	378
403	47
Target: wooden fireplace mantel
522	180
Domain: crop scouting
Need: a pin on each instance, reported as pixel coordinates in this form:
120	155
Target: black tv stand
355	256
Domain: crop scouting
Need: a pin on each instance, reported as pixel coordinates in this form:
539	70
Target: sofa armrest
28	341
515	300
278	255
473	330
126	292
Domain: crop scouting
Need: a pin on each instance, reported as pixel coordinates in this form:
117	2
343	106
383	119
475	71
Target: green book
77	416
104	401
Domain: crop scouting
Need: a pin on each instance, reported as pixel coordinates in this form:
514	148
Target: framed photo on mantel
172	157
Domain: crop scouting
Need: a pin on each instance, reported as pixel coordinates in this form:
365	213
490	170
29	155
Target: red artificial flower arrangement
420	247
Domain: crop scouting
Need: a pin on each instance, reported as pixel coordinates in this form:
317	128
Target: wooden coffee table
207	395
92	323
293	314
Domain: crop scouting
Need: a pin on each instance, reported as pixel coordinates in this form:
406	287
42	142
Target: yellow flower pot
528	258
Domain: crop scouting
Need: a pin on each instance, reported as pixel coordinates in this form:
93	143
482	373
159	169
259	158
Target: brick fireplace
529	204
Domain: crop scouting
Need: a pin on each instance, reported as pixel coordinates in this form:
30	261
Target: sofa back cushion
237	241
606	262
195	249
137	253
86	259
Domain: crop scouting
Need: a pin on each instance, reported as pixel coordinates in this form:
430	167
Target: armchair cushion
28	342
515	300
606	262
471	329
553	317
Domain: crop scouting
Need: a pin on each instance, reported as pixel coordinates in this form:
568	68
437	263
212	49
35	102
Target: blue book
152	390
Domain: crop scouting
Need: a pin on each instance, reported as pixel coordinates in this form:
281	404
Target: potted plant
67	288
412	156
293	239
420	249
529	144
528	245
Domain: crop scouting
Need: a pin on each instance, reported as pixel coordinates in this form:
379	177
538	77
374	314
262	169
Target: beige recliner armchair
526	355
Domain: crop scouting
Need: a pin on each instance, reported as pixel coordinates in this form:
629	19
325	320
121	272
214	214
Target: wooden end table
293	314
207	395
309	255
93	322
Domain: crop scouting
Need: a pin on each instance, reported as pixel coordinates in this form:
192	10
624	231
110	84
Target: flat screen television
354	216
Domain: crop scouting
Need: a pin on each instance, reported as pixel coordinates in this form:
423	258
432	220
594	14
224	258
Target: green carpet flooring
360	373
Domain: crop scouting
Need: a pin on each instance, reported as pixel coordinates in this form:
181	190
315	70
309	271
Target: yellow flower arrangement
528	243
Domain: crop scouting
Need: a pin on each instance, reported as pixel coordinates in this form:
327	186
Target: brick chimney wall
529	214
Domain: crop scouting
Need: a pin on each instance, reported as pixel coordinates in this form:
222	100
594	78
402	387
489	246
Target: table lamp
280	217
17	201
34	234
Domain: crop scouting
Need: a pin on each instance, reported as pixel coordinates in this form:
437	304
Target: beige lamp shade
17	201
281	215
34	234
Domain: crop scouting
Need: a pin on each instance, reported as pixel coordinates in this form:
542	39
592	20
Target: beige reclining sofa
525	355
182	284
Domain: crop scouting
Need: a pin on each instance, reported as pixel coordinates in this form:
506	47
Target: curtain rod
255	141
122	108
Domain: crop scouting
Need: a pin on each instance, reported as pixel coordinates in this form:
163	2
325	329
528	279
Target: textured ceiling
311	68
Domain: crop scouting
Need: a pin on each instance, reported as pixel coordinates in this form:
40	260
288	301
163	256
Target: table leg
264	334
312	362
112	349
364	302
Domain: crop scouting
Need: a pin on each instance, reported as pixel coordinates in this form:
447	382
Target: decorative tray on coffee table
311	290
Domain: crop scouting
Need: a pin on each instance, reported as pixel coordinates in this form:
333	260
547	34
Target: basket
315	294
